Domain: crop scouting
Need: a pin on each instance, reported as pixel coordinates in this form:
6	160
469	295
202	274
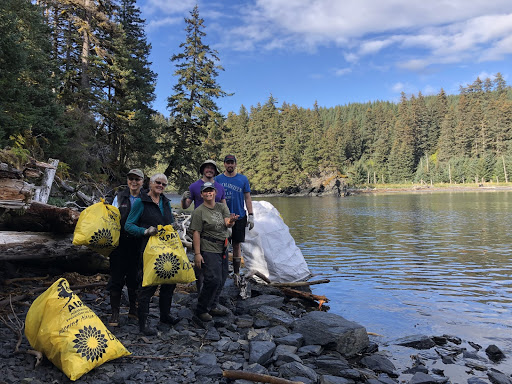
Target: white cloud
398	87
167	7
342	71
166	21
410	34
444	31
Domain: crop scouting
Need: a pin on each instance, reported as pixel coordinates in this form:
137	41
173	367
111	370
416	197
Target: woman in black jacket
124	259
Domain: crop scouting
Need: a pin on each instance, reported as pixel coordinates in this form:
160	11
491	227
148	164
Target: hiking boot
218	312
205	317
114	318
168	319
144	326
115	302
132	297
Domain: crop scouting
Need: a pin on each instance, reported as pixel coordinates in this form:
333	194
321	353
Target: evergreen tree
402	156
128	112
192	106
28	105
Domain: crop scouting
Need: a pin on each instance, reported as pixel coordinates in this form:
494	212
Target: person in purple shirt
208	171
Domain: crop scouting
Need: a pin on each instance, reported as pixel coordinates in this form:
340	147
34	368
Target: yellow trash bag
98	227
69	333
165	260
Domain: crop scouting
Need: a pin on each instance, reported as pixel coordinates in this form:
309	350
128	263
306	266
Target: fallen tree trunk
48	247
36	245
41	217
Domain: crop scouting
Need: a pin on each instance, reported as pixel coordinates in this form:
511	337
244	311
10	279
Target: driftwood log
52	249
304	295
41	217
256	377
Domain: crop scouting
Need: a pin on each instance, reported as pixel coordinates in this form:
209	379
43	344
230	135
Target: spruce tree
192	106
128	112
28	105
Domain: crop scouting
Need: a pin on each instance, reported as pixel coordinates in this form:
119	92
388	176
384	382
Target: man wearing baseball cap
238	194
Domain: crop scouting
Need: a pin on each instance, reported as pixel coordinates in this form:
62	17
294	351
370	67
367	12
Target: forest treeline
77	85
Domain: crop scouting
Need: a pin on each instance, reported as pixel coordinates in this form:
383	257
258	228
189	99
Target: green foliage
194	112
458	139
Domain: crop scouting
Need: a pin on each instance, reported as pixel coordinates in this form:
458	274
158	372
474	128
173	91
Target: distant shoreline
379	190
397	189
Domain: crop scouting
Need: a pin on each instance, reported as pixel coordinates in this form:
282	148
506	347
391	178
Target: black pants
215	271
145	294
123	264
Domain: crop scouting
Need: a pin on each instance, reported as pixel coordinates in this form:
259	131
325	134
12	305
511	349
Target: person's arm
196	241
133	218
186	199
248	202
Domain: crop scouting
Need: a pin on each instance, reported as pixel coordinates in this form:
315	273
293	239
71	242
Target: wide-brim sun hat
211	162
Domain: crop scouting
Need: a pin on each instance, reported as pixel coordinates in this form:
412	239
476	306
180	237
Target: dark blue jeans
215	272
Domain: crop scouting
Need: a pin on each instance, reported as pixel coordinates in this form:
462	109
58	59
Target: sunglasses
131	178
161	183
230	162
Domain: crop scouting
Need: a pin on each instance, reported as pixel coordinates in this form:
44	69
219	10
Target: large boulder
333	332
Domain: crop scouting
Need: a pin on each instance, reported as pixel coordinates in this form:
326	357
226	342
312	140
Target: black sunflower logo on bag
167	265
101	239
90	343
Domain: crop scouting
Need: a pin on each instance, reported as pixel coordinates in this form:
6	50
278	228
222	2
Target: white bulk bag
270	249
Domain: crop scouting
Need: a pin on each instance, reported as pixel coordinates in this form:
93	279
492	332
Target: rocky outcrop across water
266	334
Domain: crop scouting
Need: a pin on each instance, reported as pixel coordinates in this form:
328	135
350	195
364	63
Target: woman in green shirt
210	223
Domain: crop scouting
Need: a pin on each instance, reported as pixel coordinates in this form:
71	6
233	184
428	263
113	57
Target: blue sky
335	52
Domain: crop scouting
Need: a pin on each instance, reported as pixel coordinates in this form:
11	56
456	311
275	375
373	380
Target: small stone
295	339
379	364
293	369
310	350
329	379
261	351
422	378
416	341
476	380
494	353
497	377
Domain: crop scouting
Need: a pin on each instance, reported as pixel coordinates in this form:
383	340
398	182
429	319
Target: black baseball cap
230	158
208	185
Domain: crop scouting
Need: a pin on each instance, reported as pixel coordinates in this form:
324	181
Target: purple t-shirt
195	192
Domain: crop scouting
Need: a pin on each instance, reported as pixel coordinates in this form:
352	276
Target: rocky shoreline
269	334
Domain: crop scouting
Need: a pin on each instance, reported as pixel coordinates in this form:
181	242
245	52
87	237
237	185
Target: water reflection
410	263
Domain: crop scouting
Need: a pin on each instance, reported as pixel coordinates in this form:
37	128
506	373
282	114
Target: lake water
411	263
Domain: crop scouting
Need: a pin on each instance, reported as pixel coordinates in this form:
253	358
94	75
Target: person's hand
186	195
198	260
150	231
233	217
250	221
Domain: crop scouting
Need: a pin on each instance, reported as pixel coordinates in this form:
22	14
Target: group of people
220	203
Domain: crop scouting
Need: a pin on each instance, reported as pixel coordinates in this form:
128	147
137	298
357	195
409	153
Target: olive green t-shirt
210	222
